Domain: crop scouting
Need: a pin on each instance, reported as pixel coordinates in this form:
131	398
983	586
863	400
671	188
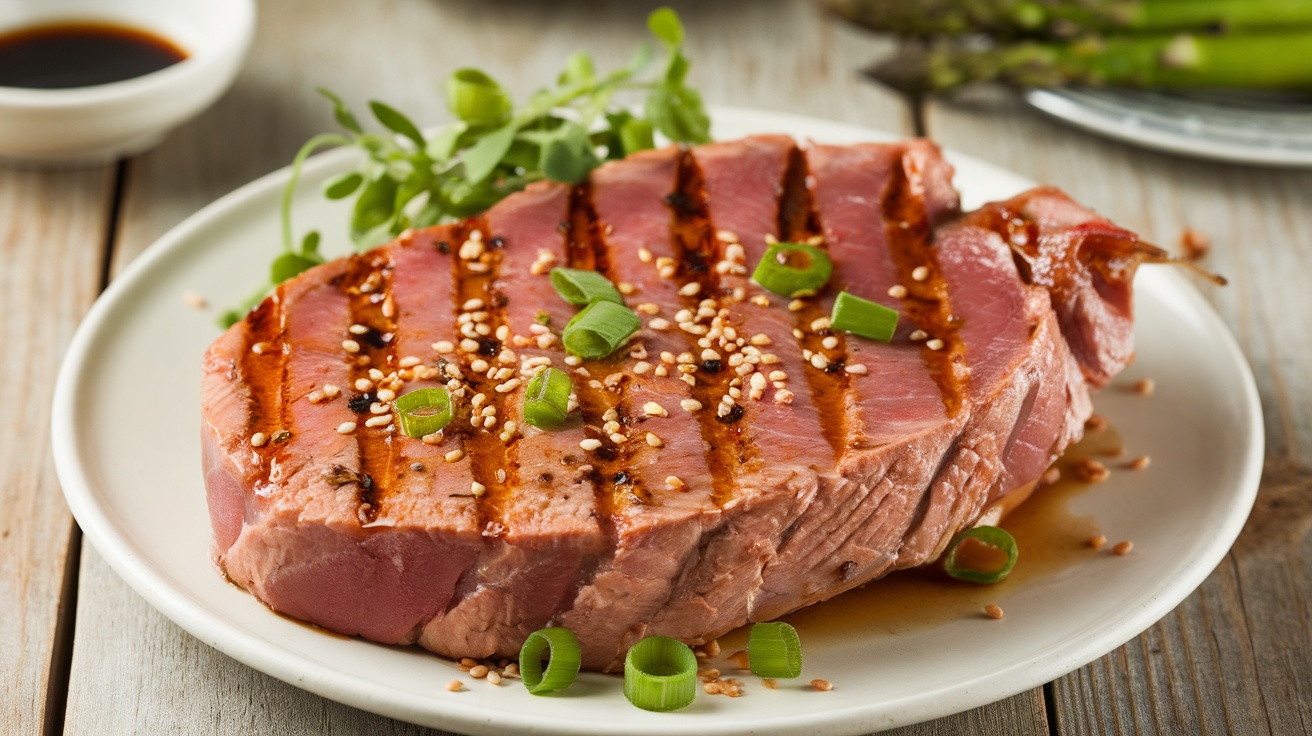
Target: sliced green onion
992	536
562	648
773	650
793	269
660	674
546	402
863	317
599	330
424	411
583	287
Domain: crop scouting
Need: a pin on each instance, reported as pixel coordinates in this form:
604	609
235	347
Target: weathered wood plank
1235	656
52	247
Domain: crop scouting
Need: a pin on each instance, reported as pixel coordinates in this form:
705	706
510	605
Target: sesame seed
659	324
726	236
363	384
468	345
626	288
1090	471
378	421
193	299
1122	549
478	489
455	686
653	440
674	482
315	397
478	671
822	685
503	332
379	407
820	323
918	335
489	422
357	329
472	305
648	308
386	394
330	390
819	361
1144	387
692	288
590	444
897	291
1097	541
618	438
653	409
830	342
434	438
644	255
1139	463
691	405
783	397
935	344
350	346
709	354
856	369
346	428
471	248
444	346
920	273
494	677
641	367
994	612
454	455
258	439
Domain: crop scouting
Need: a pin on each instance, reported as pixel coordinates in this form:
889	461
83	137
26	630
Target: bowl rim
224	49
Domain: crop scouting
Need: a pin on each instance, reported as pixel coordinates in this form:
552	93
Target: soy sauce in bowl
66	55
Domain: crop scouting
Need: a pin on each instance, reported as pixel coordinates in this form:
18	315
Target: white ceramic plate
1249	128
127	419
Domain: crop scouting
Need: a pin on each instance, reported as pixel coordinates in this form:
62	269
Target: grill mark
586	251
483	446
366	284
910	238
729	449
265	376
800	222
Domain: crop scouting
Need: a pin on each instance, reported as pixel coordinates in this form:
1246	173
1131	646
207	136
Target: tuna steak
735	461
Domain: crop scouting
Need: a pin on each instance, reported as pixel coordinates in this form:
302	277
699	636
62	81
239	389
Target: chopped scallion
660	674
793	269
424	411
599	330
773	650
546	402
564	657
583	287
991	536
863	317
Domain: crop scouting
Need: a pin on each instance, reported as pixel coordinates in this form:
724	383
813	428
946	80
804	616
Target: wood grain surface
1233	658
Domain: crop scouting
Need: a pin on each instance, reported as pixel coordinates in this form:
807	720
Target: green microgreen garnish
493	148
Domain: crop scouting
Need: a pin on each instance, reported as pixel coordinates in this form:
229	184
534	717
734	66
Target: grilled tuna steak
734	462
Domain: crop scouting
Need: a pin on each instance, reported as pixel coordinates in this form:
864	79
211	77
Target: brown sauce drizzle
265	375
799	221
729	451
927	304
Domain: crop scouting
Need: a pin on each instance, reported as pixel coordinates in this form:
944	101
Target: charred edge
483	446
265	374
728	447
586	249
799	221
927	306
367	285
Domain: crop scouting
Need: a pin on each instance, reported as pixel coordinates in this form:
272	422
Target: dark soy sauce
64	55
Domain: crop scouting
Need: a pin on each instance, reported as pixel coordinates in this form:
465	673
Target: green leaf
310	245
343	185
677	69
578	69
443	145
341	112
375	207
476	98
481	158
636	135
664	24
288	265
677	112
568	156
394	121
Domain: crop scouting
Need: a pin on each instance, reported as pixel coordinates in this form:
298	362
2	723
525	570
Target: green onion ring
773	650
424	411
476	98
599	330
562	666
793	269
546	401
993	537
863	317
583	287
660	674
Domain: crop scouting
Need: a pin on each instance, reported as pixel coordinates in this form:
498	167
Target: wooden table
86	655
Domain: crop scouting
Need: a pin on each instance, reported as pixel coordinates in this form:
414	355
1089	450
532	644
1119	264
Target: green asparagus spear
1070	18
1275	61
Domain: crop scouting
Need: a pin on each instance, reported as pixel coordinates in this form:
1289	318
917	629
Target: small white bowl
107	121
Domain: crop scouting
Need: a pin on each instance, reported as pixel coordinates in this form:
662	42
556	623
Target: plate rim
94	517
